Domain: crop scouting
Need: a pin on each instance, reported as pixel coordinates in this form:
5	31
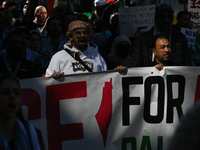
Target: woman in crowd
15	131
36	44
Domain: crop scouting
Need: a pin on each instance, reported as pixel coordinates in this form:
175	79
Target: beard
164	60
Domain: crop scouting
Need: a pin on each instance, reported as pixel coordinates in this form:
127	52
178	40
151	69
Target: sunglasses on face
163	17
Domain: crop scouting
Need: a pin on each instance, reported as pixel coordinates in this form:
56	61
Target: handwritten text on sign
193	9
133	18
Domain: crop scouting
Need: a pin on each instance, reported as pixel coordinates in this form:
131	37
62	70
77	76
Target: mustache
167	54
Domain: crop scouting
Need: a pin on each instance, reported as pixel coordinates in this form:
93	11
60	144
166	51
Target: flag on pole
51	4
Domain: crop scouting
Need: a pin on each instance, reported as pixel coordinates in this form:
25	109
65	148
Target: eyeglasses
163	17
21	43
80	33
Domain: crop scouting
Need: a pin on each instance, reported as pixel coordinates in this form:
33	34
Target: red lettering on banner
104	114
57	132
197	94
32	100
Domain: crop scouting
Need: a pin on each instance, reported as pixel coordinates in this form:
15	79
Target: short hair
23	29
156	37
11	34
22	6
181	13
53	18
10	4
15	13
9	77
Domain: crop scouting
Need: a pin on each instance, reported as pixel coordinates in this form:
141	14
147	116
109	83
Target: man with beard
12	63
162	52
65	62
54	40
142	47
79	54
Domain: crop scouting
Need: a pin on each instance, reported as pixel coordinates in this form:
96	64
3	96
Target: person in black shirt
12	63
162	52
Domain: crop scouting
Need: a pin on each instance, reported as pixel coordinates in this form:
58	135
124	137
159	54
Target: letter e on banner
57	132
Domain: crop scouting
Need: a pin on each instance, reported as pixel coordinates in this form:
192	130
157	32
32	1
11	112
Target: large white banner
110	111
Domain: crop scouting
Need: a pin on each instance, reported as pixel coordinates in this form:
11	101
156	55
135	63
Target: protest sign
193	9
110	111
136	18
190	36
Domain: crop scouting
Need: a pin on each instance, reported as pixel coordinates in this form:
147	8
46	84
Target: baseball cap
163	7
99	3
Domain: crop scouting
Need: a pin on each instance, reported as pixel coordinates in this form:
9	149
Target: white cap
100	2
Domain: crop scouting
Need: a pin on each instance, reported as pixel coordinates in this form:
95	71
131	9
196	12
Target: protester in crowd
79	55
61	9
15	14
37	45
10	5
15	131
103	9
3	4
101	41
102	27
187	134
6	25
183	20
64	62
68	17
27	17
13	63
142	49
120	52
162	52
40	16
54	40
114	29
100	6
2	16
28	54
195	50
